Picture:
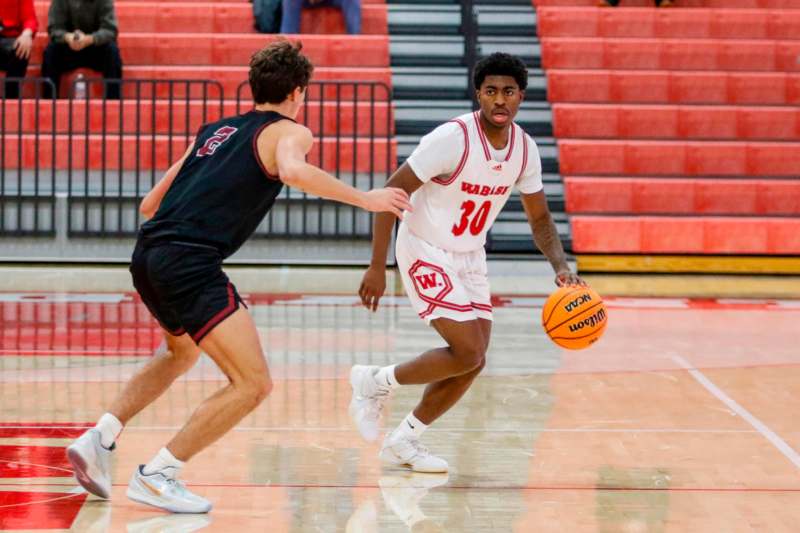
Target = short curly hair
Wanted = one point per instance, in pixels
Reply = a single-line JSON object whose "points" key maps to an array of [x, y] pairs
{"points": [[500, 64], [278, 69]]}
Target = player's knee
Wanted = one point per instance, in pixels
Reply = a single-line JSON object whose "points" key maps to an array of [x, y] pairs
{"points": [[183, 354], [255, 389], [470, 356]]}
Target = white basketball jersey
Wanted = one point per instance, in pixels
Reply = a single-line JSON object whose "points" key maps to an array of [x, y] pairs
{"points": [[465, 185]]}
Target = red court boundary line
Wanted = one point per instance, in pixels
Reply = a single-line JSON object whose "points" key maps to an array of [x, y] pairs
{"points": [[734, 490]]}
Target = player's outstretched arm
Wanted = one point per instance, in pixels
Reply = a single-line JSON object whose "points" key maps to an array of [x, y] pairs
{"points": [[150, 203], [374, 283], [545, 235], [290, 155]]}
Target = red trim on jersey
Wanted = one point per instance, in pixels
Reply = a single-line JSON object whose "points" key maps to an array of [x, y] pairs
{"points": [[428, 311], [485, 142], [258, 157], [511, 142], [482, 136], [219, 317], [464, 309], [462, 163], [524, 156]]}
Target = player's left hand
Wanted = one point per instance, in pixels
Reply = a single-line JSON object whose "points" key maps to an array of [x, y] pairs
{"points": [[372, 287], [565, 278], [390, 199]]}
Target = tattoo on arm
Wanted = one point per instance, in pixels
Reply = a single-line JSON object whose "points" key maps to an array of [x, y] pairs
{"points": [[545, 235]]}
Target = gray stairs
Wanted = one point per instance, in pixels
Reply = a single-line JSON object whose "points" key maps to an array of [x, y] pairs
{"points": [[430, 84]]}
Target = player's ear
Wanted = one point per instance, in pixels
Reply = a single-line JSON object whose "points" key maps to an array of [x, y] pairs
{"points": [[296, 94]]}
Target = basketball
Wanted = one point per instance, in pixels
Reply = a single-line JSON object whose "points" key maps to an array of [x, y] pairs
{"points": [[574, 317]]}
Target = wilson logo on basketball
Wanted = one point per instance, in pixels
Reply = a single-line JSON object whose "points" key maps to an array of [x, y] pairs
{"points": [[213, 142], [577, 302], [426, 281], [590, 321]]}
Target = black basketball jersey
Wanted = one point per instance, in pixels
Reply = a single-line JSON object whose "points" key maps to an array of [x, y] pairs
{"points": [[222, 191]]}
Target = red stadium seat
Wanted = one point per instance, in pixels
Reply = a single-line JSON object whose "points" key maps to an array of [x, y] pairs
{"points": [[765, 88], [778, 197], [236, 49], [226, 17], [669, 158], [230, 77], [693, 235], [346, 154], [669, 54], [675, 23], [737, 4], [342, 117], [715, 196]]}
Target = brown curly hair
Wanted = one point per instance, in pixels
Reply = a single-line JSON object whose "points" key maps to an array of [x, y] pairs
{"points": [[278, 69]]}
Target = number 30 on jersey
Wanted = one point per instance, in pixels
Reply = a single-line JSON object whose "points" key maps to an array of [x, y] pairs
{"points": [[475, 222]]}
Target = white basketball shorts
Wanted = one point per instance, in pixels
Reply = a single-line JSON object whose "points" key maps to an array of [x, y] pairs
{"points": [[442, 284]]}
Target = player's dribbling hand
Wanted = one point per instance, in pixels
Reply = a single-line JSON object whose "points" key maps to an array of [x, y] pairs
{"points": [[372, 287], [566, 278], [389, 199]]}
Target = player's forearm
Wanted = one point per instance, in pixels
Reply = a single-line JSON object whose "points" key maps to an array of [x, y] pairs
{"points": [[381, 236], [315, 181], [545, 235]]}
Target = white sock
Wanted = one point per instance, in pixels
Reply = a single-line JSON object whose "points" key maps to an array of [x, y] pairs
{"points": [[384, 377], [163, 462], [411, 426], [110, 427]]}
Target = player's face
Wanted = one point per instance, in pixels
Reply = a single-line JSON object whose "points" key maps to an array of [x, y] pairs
{"points": [[499, 98]]}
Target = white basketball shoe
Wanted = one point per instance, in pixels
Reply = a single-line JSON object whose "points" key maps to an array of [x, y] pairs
{"points": [[368, 400], [403, 450], [92, 463], [165, 492]]}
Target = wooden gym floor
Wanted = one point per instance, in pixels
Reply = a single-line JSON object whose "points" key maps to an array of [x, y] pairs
{"points": [[682, 418]]}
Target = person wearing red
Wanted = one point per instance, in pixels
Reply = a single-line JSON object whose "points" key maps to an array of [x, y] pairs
{"points": [[18, 25]]}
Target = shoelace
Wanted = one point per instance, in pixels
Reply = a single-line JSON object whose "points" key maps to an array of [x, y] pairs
{"points": [[177, 484], [420, 448], [416, 449]]}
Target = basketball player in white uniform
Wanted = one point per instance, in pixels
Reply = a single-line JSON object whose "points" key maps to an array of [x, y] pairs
{"points": [[461, 176]]}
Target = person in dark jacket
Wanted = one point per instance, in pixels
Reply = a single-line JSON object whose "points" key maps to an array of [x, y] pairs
{"points": [[351, 9], [18, 25], [83, 33]]}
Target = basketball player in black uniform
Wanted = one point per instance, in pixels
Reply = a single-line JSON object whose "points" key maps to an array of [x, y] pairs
{"points": [[203, 209]]}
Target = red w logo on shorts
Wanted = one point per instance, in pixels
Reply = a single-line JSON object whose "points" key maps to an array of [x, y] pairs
{"points": [[427, 281], [213, 142]]}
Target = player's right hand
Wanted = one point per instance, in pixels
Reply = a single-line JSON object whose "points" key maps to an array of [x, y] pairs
{"points": [[390, 199], [372, 287]]}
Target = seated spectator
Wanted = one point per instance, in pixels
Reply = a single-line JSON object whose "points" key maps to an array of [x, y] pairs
{"points": [[267, 15], [18, 25], [351, 9], [615, 3], [83, 34]]}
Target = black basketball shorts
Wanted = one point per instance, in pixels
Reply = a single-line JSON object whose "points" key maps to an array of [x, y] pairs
{"points": [[184, 287]]}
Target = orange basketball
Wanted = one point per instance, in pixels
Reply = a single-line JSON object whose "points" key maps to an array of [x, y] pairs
{"points": [[574, 317]]}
